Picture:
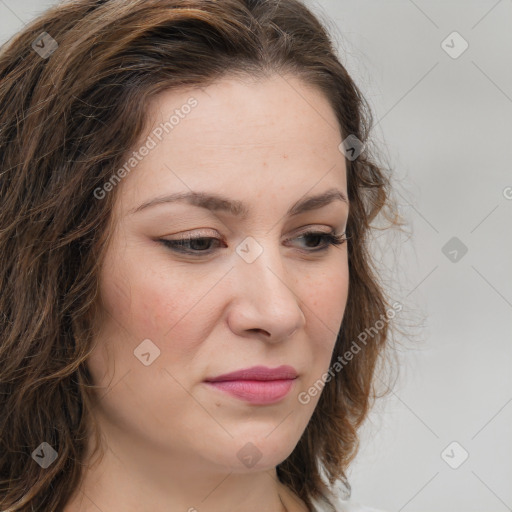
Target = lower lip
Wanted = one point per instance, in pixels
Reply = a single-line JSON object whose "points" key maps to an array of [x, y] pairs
{"points": [[256, 391]]}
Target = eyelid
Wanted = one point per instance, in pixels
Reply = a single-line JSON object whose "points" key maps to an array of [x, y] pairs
{"points": [[185, 235], [308, 229], [195, 234]]}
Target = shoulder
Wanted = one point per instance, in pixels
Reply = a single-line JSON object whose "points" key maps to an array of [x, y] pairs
{"points": [[348, 506], [342, 506]]}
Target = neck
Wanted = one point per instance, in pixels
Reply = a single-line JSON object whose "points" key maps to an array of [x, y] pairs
{"points": [[120, 483]]}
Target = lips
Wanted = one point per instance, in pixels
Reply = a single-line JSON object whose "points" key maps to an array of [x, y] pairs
{"points": [[258, 385], [261, 373]]}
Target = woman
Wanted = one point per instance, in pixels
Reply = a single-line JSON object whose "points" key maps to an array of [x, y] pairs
{"points": [[186, 284]]}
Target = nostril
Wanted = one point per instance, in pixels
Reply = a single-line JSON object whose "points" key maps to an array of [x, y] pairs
{"points": [[259, 331]]}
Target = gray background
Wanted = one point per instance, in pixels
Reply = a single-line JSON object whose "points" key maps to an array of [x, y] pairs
{"points": [[444, 125]]}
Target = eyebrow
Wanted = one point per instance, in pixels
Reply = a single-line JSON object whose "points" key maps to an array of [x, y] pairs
{"points": [[216, 202]]}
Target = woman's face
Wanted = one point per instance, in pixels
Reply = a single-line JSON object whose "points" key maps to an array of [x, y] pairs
{"points": [[254, 293]]}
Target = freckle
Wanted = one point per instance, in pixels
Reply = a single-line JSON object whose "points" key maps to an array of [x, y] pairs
{"points": [[285, 156]]}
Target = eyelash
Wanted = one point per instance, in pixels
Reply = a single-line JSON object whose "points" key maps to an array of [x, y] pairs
{"points": [[331, 239]]}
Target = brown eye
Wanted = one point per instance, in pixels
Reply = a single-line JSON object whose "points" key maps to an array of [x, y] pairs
{"points": [[328, 240], [190, 245]]}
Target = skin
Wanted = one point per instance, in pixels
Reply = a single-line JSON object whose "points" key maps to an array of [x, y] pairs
{"points": [[171, 441]]}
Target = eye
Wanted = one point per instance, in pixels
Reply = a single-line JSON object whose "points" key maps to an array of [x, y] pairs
{"points": [[191, 244], [199, 245], [329, 239]]}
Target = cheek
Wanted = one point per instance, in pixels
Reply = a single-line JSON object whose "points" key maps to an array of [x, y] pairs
{"points": [[325, 295], [166, 305], [142, 304], [325, 298]]}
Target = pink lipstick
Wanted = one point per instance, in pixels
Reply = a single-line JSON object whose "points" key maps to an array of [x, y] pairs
{"points": [[258, 385]]}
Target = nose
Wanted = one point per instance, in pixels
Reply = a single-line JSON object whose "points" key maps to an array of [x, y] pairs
{"points": [[264, 301]]}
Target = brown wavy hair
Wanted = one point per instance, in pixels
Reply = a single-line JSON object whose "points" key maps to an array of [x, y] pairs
{"points": [[66, 120]]}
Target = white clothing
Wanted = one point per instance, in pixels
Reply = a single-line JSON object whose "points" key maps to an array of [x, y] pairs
{"points": [[340, 506]]}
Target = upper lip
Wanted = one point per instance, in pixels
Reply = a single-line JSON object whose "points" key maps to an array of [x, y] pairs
{"points": [[258, 373]]}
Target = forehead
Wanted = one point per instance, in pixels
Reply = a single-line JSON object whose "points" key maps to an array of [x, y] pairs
{"points": [[238, 135], [231, 112]]}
